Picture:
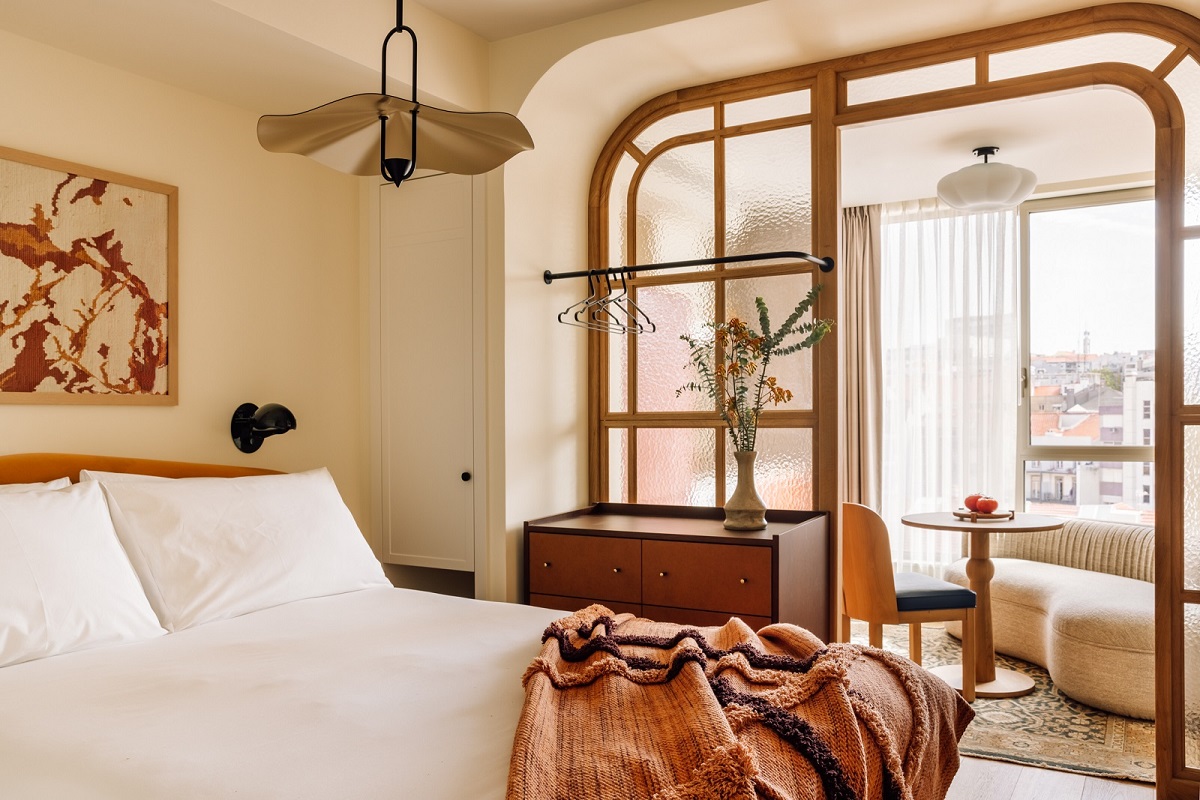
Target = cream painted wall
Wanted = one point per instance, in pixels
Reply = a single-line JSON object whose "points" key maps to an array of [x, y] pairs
{"points": [[268, 271], [570, 111], [453, 61]]}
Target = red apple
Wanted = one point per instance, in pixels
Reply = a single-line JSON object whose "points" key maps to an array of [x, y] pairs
{"points": [[971, 500], [986, 505]]}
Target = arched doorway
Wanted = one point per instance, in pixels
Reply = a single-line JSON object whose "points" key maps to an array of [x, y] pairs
{"points": [[1152, 56]]}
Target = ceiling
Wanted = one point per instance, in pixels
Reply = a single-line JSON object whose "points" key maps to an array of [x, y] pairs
{"points": [[1095, 138], [1066, 140], [257, 54], [501, 19]]}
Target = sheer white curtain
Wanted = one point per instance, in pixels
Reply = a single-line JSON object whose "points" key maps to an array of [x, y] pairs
{"points": [[949, 323]]}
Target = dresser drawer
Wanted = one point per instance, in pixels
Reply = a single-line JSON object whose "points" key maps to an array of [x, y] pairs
{"points": [[603, 567], [701, 619], [711, 577], [573, 604]]}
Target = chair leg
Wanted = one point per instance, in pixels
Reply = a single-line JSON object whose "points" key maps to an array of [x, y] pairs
{"points": [[968, 655], [914, 642], [875, 634]]}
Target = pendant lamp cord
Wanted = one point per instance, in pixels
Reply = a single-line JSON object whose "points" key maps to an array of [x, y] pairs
{"points": [[397, 170], [400, 28]]}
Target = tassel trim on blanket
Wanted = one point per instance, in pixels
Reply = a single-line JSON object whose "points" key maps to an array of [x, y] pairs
{"points": [[755, 693]]}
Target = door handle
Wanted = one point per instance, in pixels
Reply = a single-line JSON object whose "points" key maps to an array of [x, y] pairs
{"points": [[466, 476]]}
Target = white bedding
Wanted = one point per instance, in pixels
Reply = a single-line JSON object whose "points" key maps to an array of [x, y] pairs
{"points": [[371, 694]]}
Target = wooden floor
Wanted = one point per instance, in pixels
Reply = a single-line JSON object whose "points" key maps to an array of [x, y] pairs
{"points": [[981, 779]]}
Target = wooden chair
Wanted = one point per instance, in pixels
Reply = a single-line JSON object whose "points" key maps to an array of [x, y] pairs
{"points": [[873, 593]]}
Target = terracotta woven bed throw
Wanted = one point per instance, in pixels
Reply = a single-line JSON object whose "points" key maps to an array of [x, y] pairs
{"points": [[622, 707]]}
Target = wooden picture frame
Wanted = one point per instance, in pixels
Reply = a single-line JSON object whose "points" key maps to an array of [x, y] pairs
{"points": [[87, 285]]}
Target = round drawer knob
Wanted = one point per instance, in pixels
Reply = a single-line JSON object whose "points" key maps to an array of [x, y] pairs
{"points": [[616, 569], [545, 563], [743, 580], [662, 574]]}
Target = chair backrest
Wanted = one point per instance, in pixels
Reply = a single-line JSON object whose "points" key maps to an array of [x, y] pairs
{"points": [[868, 586]]}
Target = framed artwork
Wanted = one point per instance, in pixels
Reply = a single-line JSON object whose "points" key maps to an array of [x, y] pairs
{"points": [[87, 284]]}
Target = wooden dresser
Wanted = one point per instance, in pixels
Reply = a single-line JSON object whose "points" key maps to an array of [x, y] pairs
{"points": [[679, 564]]}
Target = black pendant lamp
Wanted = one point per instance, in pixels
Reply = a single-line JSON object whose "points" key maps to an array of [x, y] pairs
{"points": [[353, 134]]}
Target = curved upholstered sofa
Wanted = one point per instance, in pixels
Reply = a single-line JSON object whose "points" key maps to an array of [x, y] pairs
{"points": [[1080, 602]]}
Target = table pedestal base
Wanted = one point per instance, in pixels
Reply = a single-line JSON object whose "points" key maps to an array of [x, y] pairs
{"points": [[1008, 683]]}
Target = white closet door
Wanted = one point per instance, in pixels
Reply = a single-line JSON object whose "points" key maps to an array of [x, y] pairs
{"points": [[426, 334]]}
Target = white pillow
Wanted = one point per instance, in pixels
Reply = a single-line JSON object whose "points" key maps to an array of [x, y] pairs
{"points": [[116, 477], [13, 488], [211, 548], [65, 582]]}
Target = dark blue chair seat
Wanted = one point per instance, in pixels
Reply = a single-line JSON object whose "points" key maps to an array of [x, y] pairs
{"points": [[918, 592]]}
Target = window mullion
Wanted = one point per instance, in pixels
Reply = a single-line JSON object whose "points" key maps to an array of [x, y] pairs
{"points": [[719, 287]]}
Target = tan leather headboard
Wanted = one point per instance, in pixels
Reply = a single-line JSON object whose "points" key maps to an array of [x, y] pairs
{"points": [[37, 467]]}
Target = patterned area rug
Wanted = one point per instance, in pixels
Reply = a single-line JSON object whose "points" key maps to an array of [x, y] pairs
{"points": [[1043, 729]]}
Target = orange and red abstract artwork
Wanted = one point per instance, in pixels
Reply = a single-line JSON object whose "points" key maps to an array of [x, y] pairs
{"points": [[86, 282]]}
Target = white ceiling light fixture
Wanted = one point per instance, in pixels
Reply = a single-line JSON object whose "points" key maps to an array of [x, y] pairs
{"points": [[990, 186], [352, 134]]}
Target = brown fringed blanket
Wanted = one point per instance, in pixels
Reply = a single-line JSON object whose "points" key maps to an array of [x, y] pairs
{"points": [[621, 707]]}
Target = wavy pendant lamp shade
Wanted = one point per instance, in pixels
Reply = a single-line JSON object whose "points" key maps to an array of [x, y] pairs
{"points": [[369, 134], [990, 186]]}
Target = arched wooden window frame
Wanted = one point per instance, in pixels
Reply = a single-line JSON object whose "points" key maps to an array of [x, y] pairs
{"points": [[789, 417], [830, 111]]}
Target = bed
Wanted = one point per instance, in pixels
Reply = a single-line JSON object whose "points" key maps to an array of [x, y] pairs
{"points": [[192, 631]]}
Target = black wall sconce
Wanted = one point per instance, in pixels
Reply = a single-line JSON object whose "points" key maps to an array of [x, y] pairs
{"points": [[251, 424]]}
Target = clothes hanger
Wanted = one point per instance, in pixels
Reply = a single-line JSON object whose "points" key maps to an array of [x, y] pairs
{"points": [[590, 312], [572, 311], [630, 309], [600, 312]]}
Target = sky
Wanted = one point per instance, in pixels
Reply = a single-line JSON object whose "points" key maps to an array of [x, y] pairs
{"points": [[1092, 269]]}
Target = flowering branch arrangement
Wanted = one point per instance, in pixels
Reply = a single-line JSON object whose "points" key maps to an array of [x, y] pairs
{"points": [[732, 364]]}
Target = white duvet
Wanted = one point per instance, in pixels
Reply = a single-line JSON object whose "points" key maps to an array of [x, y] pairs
{"points": [[371, 694]]}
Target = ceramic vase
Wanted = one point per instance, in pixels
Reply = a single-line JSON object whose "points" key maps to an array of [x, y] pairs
{"points": [[745, 510]]}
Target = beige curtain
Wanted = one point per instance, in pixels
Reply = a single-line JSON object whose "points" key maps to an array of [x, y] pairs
{"points": [[862, 369]]}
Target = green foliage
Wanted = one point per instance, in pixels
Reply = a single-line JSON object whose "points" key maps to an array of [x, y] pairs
{"points": [[732, 362], [1111, 378]]}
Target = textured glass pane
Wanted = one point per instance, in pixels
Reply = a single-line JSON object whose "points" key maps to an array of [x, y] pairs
{"points": [[663, 363], [768, 196], [618, 372], [1191, 322], [776, 106], [1091, 360], [676, 466], [1191, 680], [618, 463], [618, 208], [1185, 80], [911, 81], [675, 206], [1191, 507], [700, 119], [1119, 491], [781, 293], [783, 468], [1131, 48]]}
